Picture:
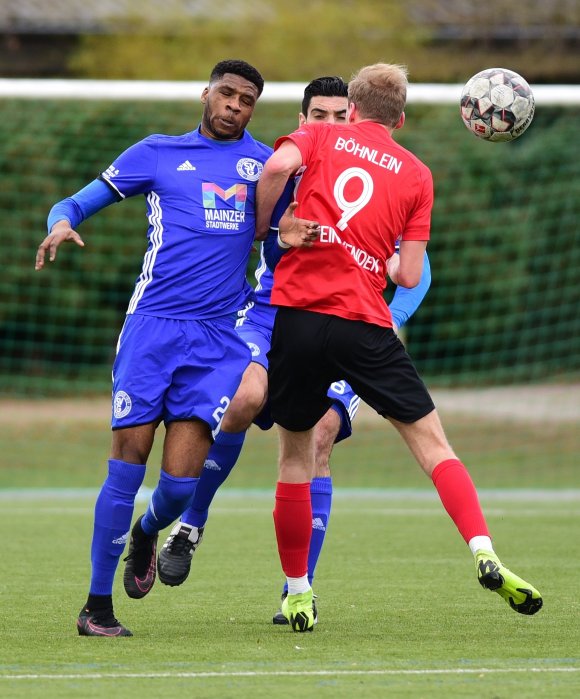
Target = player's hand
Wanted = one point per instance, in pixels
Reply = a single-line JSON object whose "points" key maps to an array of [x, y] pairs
{"points": [[60, 233], [297, 232]]}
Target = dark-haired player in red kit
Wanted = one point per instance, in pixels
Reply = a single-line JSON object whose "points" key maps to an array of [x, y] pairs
{"points": [[362, 191]]}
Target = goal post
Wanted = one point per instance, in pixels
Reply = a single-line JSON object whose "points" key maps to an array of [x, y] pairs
{"points": [[288, 92]]}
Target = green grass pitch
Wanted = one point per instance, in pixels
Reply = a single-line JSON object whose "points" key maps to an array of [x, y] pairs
{"points": [[401, 612]]}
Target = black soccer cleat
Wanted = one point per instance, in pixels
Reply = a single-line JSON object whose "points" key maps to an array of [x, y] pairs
{"points": [[101, 623], [141, 562], [174, 561]]}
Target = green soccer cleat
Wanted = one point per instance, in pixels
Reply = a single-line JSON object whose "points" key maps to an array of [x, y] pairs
{"points": [[299, 610], [280, 619], [519, 594]]}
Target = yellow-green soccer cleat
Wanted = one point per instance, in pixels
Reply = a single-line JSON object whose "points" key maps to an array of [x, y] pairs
{"points": [[279, 619], [519, 594], [299, 611]]}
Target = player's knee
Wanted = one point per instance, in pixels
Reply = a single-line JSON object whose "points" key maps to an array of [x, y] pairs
{"points": [[246, 404], [133, 444]]}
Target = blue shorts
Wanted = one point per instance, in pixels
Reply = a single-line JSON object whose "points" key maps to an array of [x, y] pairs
{"points": [[344, 399], [257, 337], [170, 370]]}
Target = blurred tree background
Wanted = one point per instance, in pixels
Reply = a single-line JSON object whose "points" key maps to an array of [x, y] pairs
{"points": [[440, 40], [505, 250]]}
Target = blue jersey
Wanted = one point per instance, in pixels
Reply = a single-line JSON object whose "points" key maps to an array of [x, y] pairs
{"points": [[259, 309], [200, 197]]}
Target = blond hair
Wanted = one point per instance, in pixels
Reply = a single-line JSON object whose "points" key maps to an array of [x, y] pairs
{"points": [[380, 92]]}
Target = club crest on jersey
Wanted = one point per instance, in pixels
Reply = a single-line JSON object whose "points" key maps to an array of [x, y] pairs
{"points": [[249, 169]]}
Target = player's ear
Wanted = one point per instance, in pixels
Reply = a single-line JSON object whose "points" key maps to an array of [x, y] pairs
{"points": [[204, 95], [401, 121], [301, 119], [351, 112]]}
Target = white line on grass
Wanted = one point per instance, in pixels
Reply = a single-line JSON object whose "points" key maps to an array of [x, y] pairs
{"points": [[283, 673], [390, 494], [343, 511]]}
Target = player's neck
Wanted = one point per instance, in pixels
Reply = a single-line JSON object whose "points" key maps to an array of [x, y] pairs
{"points": [[216, 137]]}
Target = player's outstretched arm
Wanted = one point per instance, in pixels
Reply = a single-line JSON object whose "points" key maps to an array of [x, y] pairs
{"points": [[67, 214]]}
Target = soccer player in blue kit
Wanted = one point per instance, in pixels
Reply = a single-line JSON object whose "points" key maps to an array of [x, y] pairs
{"points": [[179, 357], [325, 99]]}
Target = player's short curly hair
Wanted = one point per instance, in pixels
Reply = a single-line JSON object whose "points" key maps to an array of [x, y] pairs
{"points": [[326, 86], [238, 67]]}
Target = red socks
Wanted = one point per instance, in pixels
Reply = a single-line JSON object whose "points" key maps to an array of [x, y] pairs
{"points": [[293, 513], [459, 498], [293, 524]]}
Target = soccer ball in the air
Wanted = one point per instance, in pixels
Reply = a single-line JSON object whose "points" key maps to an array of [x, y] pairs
{"points": [[497, 105]]}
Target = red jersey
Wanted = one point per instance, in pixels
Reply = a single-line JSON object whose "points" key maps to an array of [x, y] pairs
{"points": [[366, 191]]}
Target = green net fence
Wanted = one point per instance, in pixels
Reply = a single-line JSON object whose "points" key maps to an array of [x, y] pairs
{"points": [[505, 251]]}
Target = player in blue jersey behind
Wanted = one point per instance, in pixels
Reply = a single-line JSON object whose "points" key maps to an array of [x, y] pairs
{"points": [[325, 99], [179, 358]]}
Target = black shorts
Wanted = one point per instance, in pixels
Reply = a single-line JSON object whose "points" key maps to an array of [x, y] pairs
{"points": [[311, 350]]}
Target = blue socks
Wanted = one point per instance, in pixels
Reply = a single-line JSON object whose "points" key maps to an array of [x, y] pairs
{"points": [[321, 497], [170, 498], [221, 459], [113, 514]]}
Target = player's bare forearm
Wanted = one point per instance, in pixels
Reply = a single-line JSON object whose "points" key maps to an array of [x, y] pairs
{"points": [[60, 233], [270, 187]]}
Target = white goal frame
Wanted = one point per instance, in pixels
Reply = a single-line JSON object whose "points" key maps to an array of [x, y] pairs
{"points": [[163, 90]]}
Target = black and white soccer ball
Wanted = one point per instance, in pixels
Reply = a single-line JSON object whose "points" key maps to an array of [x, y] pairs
{"points": [[497, 105]]}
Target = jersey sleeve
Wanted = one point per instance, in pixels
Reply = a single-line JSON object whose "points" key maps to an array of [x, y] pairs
{"points": [[305, 139], [419, 224], [133, 172], [86, 202]]}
